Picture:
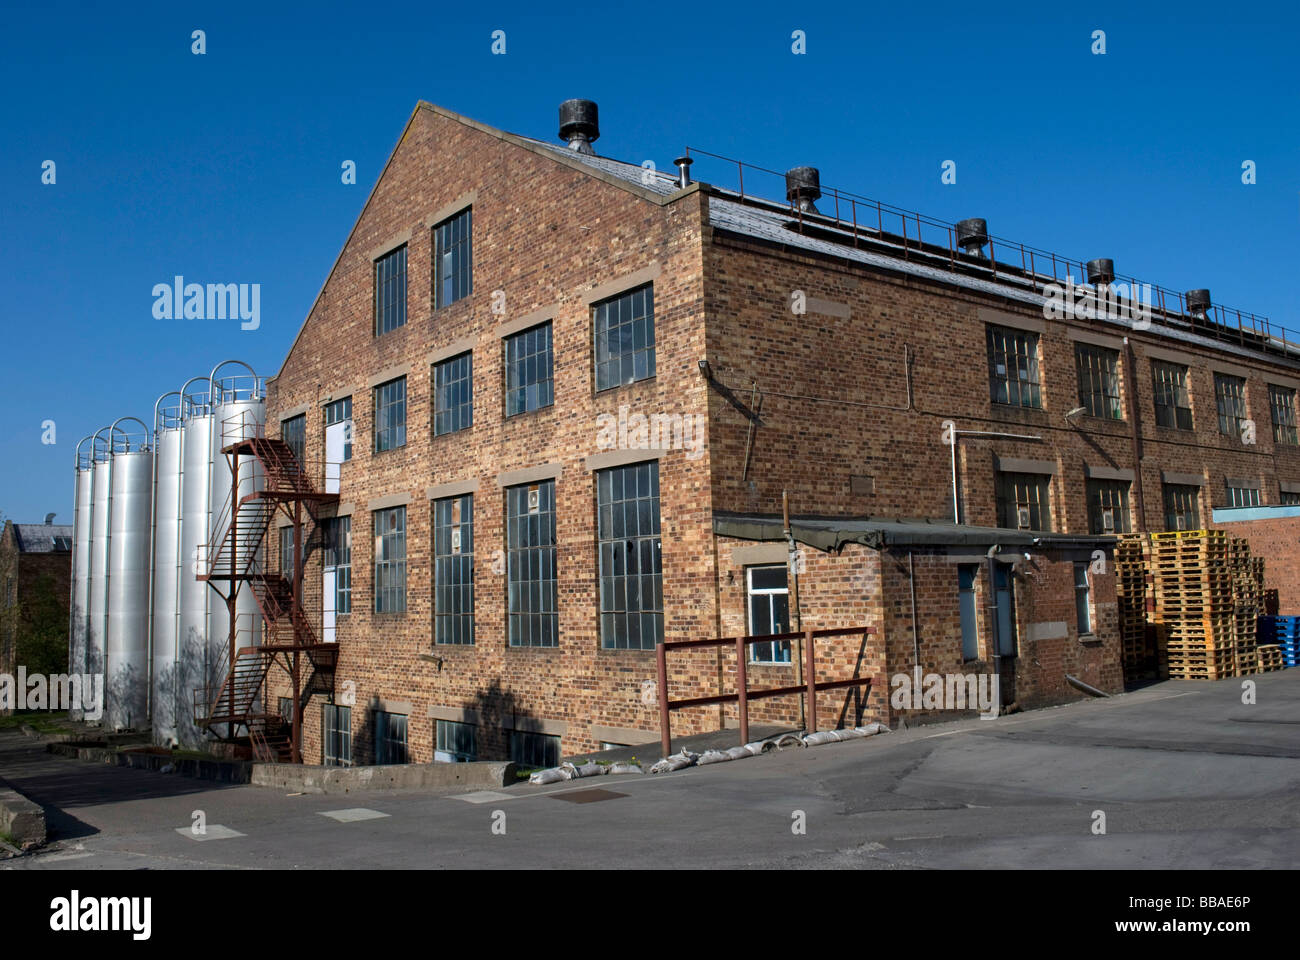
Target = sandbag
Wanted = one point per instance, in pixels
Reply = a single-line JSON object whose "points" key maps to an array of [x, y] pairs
{"points": [[592, 769], [713, 756], [740, 753], [625, 766]]}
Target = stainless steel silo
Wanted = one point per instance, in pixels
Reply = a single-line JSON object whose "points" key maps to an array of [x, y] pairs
{"points": [[194, 666], [101, 468], [167, 700], [126, 684], [78, 612], [238, 413]]}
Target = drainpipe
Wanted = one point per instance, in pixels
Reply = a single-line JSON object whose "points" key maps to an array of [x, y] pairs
{"points": [[792, 573], [994, 639], [916, 636], [1129, 364]]}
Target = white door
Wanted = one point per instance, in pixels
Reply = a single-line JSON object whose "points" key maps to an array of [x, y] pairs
{"points": [[335, 435], [328, 594]]}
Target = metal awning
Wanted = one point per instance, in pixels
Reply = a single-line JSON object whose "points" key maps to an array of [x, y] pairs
{"points": [[830, 534]]}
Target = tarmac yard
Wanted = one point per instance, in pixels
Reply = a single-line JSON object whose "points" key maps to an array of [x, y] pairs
{"points": [[1178, 775]]}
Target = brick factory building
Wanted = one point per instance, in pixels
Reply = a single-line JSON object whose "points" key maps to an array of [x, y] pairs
{"points": [[35, 581], [568, 394]]}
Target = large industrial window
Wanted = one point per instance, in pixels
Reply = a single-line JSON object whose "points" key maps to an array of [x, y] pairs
{"points": [[1290, 498], [390, 415], [294, 433], [625, 338], [340, 412], [390, 738], [286, 551], [453, 570], [1281, 401], [532, 611], [1013, 367], [1024, 501], [1098, 370], [1243, 496], [390, 560], [453, 394], [534, 749], [455, 742], [1230, 395], [529, 384], [1108, 506], [452, 268], [390, 291], [769, 612], [336, 735], [631, 566], [286, 709], [1182, 510], [338, 554], [966, 577], [1082, 599], [1173, 404]]}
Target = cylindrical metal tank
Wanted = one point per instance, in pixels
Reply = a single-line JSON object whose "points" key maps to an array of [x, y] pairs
{"points": [[77, 607], [167, 701], [193, 665], [101, 468], [238, 413], [126, 684]]}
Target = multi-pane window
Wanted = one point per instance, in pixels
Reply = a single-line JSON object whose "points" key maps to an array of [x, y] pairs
{"points": [[390, 415], [1182, 507], [453, 570], [1242, 496], [631, 567], [1108, 506], [769, 612], [1290, 498], [1098, 370], [336, 735], [455, 742], [532, 610], [1082, 599], [286, 709], [390, 560], [1173, 404], [390, 738], [452, 256], [1230, 396], [1281, 402], [1013, 367], [534, 749], [625, 338], [340, 412], [453, 394], [337, 554], [1024, 501], [529, 384], [1004, 597], [294, 433], [966, 576], [390, 291], [286, 551]]}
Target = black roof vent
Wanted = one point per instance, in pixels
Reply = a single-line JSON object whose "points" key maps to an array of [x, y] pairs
{"points": [[579, 125], [803, 185], [1101, 271], [972, 235], [1198, 303]]}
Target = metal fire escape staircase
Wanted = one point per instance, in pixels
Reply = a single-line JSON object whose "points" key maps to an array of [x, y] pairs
{"points": [[288, 639]]}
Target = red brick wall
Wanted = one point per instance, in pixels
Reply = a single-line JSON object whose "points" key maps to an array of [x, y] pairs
{"points": [[1277, 540]]}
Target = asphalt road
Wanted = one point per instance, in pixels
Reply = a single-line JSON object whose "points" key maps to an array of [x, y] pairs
{"points": [[1186, 775]]}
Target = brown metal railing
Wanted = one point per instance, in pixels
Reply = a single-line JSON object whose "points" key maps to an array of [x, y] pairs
{"points": [[863, 219], [743, 694]]}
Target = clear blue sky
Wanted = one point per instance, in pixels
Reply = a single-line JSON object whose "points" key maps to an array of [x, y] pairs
{"points": [[226, 167]]}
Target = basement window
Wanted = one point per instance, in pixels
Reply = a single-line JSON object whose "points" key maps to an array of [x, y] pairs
{"points": [[534, 749], [336, 735], [455, 742]]}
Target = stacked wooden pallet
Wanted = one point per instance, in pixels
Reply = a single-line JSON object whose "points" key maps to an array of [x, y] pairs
{"points": [[1269, 658], [1130, 593], [1247, 601], [1192, 603]]}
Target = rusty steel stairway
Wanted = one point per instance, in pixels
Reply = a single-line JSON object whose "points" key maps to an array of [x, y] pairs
{"points": [[238, 708]]}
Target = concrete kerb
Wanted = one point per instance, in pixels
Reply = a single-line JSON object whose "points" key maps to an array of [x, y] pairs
{"points": [[223, 771], [429, 776], [21, 819]]}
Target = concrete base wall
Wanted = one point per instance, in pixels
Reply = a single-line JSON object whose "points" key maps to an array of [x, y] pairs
{"points": [[21, 819], [315, 779]]}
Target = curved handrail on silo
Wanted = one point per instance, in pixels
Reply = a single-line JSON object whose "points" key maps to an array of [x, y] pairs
{"points": [[214, 389], [79, 453], [126, 437], [187, 400]]}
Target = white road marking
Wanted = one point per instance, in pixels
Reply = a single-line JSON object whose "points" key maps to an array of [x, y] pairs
{"points": [[352, 814], [59, 858], [214, 831], [484, 796]]}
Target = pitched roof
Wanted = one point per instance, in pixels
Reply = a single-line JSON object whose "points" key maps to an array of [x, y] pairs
{"points": [[43, 537]]}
